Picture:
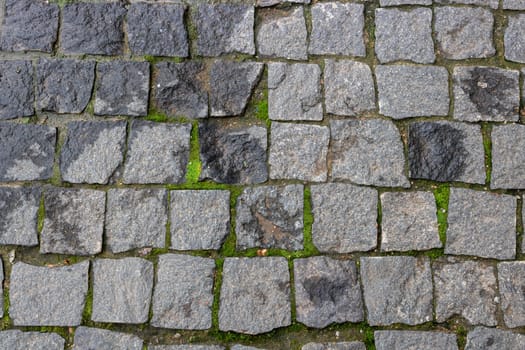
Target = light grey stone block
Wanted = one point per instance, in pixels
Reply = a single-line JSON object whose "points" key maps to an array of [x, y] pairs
{"points": [[19, 215], [483, 338], [14, 339], [87, 338], [511, 282], [508, 141], [403, 340]]}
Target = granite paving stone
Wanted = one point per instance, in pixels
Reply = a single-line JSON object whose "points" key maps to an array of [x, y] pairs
{"points": [[511, 282], [243, 347], [514, 49], [87, 338], [493, 4], [385, 3], [403, 340], [16, 89], [354, 345], [265, 3], [186, 347], [16, 339], [18, 216], [47, 296], [507, 156], [484, 338], [514, 4]]}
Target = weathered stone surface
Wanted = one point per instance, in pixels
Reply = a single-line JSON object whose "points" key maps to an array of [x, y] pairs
{"points": [[265, 3], [355, 345], [397, 289], [157, 30], [483, 338], [384, 3], [233, 154], [64, 86], [464, 32], [18, 216], [337, 29], [412, 91], [136, 218], [15, 339], [47, 296], [157, 153], [409, 221], [514, 4], [298, 151], [511, 282], [224, 28], [231, 85], [102, 339], [514, 50], [29, 25], [446, 151], [488, 3], [255, 295], [200, 220], [242, 347], [92, 151], [270, 217], [283, 34], [403, 340], [186, 347], [486, 93], [465, 288], [1, 288], [404, 35], [122, 290], [508, 142], [183, 295], [345, 218], [73, 222], [16, 89], [481, 224]]}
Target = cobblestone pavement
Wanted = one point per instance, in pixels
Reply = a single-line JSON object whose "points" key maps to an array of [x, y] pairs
{"points": [[263, 174]]}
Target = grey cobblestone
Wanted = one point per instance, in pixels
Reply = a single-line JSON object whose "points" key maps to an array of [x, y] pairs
{"points": [[16, 339], [186, 347], [16, 89], [355, 345], [483, 338], [507, 156], [401, 340], [513, 4], [515, 30], [489, 3], [18, 216], [87, 338], [511, 280], [404, 2]]}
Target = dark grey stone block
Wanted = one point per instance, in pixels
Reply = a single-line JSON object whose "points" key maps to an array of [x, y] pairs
{"points": [[18, 215], [508, 142], [403, 340], [511, 282], [102, 339], [15, 340], [16, 89], [483, 338]]}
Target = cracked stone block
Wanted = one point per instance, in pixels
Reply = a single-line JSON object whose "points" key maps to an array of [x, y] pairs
{"points": [[283, 34], [224, 28], [183, 295], [402, 340], [409, 221], [122, 290], [481, 224], [122, 88], [345, 218], [157, 30], [270, 217], [200, 220], [483, 338], [233, 154], [513, 4], [466, 288], [464, 32], [487, 3], [16, 339], [73, 222], [92, 28], [255, 295], [186, 347], [298, 151], [412, 91], [18, 216], [354, 345], [157, 153], [27, 152], [179, 89], [29, 25], [327, 291], [446, 151], [337, 29], [514, 50], [404, 35], [92, 151], [508, 142], [87, 338], [16, 89], [486, 94], [63, 85], [136, 218], [511, 282], [385, 3], [48, 296], [231, 85], [397, 289]]}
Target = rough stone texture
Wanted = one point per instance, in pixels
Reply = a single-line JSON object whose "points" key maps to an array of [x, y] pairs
{"points": [[409, 221], [242, 347], [255, 295], [446, 151], [122, 88], [122, 290], [404, 35], [355, 345], [224, 28], [1, 288], [73, 222], [348, 88], [157, 30], [397, 289], [102, 339], [514, 49], [186, 347], [514, 4], [136, 218], [486, 93], [337, 29], [200, 220], [406, 340], [231, 85], [47, 296], [481, 224], [265, 3], [487, 3], [233, 154], [18, 216], [327, 291], [511, 282], [183, 295], [464, 32], [283, 35], [29, 25], [345, 218], [92, 151], [63, 85], [270, 217], [16, 89], [483, 338], [298, 151], [466, 288], [157, 153], [384, 3], [18, 340], [508, 142]]}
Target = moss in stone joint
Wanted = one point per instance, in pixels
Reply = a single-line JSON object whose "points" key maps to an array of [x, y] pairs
{"points": [[487, 146], [441, 194], [261, 109], [41, 215], [155, 115], [194, 164], [5, 322], [309, 247]]}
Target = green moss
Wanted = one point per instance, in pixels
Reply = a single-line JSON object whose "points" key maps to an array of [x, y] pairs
{"points": [[5, 322], [487, 146], [194, 164], [41, 215], [309, 247], [219, 263], [461, 333], [441, 194], [261, 108], [434, 253], [88, 308], [368, 337], [160, 117]]}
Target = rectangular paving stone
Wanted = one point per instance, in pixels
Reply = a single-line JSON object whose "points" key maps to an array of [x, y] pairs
{"points": [[508, 156], [355, 345], [47, 296], [515, 30], [402, 340], [16, 89], [186, 347], [16, 339], [483, 338], [265, 3], [18, 216], [87, 338], [384, 3], [493, 4], [514, 4], [511, 283], [242, 347]]}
